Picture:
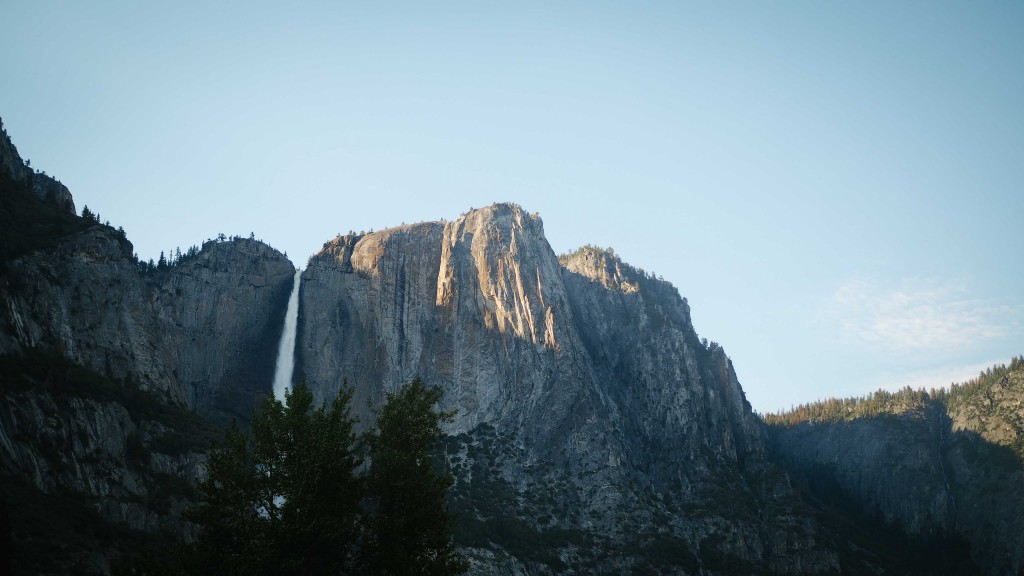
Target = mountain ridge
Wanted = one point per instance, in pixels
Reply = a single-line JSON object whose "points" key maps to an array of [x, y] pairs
{"points": [[539, 351], [108, 372], [594, 430], [959, 452]]}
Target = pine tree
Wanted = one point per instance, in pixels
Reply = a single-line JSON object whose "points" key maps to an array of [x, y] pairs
{"points": [[409, 531], [282, 499], [285, 498]]}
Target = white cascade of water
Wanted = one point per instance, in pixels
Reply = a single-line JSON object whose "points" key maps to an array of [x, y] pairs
{"points": [[286, 349]]}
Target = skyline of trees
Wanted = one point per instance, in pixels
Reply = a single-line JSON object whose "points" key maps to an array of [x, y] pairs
{"points": [[886, 402]]}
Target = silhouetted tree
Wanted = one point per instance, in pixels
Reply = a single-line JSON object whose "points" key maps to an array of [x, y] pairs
{"points": [[409, 530], [282, 499]]}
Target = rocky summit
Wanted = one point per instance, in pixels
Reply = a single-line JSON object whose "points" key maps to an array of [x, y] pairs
{"points": [[593, 427], [594, 431]]}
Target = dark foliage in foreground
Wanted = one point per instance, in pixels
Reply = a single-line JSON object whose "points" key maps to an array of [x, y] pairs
{"points": [[287, 496]]}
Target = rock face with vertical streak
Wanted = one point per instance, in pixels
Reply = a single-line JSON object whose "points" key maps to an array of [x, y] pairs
{"points": [[196, 331], [192, 332], [585, 403], [103, 369], [594, 431]]}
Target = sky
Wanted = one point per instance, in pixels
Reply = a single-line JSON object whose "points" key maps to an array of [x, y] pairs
{"points": [[836, 188]]}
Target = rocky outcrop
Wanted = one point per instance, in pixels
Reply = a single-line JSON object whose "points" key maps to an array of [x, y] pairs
{"points": [[104, 366], [992, 406], [41, 185], [200, 330], [672, 390], [895, 462], [933, 466], [684, 416], [470, 303], [78, 447], [585, 403], [221, 315], [986, 482]]}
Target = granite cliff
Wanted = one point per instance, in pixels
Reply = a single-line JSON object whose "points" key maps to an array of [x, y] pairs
{"points": [[106, 367], [593, 428], [595, 432], [188, 332], [944, 466]]}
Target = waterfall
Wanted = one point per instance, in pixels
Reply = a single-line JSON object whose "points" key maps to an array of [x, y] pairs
{"points": [[286, 349]]}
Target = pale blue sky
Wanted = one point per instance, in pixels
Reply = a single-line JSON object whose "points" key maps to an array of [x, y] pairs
{"points": [[837, 188]]}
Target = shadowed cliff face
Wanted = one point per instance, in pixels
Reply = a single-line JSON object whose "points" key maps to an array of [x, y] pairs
{"points": [[948, 465], [101, 457], [192, 332], [671, 390], [202, 332], [586, 405], [894, 462], [101, 368], [90, 469]]}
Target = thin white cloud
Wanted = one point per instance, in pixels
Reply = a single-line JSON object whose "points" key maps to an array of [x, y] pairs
{"points": [[924, 315]]}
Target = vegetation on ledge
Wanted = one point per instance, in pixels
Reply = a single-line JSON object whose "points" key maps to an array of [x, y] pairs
{"points": [[989, 404]]}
